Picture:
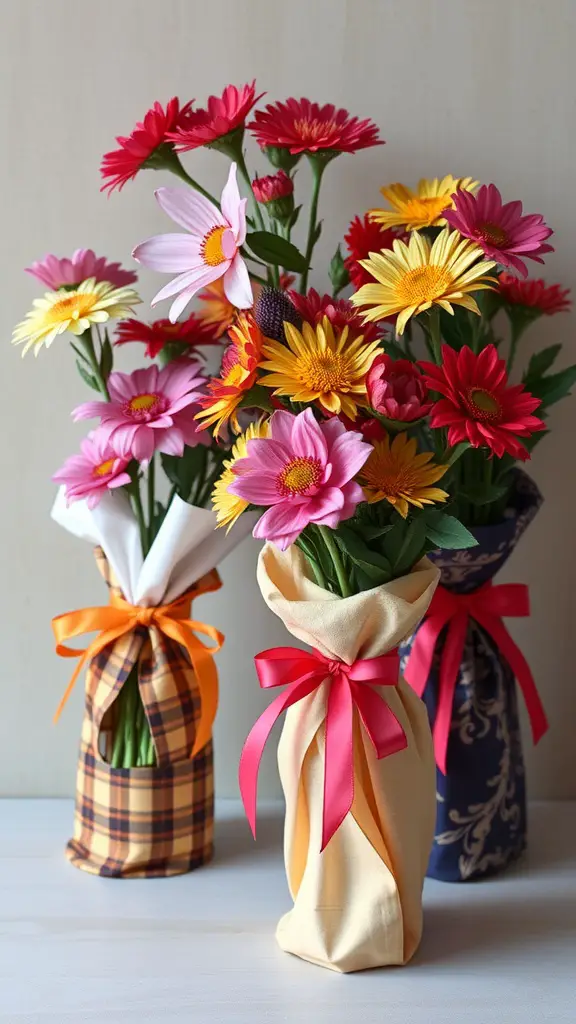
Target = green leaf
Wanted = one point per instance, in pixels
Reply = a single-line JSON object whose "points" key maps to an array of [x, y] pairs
{"points": [[478, 493], [276, 250], [106, 358], [447, 532], [317, 232], [453, 454], [412, 547], [542, 361], [552, 388], [87, 377], [349, 541], [339, 276], [294, 216], [81, 355], [257, 397]]}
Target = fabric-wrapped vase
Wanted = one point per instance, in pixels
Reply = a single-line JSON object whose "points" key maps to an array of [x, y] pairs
{"points": [[357, 901], [481, 798]]}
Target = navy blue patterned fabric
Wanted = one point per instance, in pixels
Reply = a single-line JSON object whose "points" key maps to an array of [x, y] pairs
{"points": [[481, 801]]}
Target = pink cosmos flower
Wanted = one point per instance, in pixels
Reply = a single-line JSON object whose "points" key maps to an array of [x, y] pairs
{"points": [[500, 229], [55, 272], [303, 471], [208, 252], [396, 389], [97, 470], [150, 410]]}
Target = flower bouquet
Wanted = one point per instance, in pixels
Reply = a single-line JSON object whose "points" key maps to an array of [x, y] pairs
{"points": [[145, 784], [457, 240], [348, 510]]}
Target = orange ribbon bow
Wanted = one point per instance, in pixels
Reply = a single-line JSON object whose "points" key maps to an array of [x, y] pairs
{"points": [[119, 618]]}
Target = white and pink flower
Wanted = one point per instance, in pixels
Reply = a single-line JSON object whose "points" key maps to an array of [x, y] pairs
{"points": [[303, 471], [211, 249], [150, 410], [96, 470]]}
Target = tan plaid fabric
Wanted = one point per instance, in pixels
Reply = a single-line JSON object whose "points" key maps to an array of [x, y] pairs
{"points": [[144, 822]]}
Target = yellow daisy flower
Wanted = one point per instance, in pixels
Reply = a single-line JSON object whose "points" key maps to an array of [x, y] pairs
{"points": [[319, 365], [413, 277], [422, 208], [91, 302], [229, 507], [398, 474], [216, 310]]}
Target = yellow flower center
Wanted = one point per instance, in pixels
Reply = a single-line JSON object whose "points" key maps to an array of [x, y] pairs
{"points": [[493, 234], [391, 479], [142, 403], [423, 285], [72, 307], [212, 251], [325, 372], [299, 475], [483, 404], [424, 210], [104, 468], [313, 130]]}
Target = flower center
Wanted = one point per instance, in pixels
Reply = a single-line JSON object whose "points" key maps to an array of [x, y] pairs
{"points": [[145, 407], [493, 234], [393, 481], [426, 209], [104, 468], [73, 307], [483, 404], [215, 246], [299, 475], [324, 372], [314, 130], [423, 284]]}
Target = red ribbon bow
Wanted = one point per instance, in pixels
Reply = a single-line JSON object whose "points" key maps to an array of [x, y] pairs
{"points": [[486, 605], [350, 687]]}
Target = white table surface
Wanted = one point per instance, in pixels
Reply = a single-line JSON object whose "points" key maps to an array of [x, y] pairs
{"points": [[200, 948]]}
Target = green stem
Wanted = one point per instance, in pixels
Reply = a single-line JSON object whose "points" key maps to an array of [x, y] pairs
{"points": [[172, 163], [517, 330], [246, 176], [151, 497], [87, 342], [317, 172], [328, 538], [435, 336]]}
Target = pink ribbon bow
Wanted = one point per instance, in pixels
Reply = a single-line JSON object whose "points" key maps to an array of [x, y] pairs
{"points": [[486, 605], [350, 687]]}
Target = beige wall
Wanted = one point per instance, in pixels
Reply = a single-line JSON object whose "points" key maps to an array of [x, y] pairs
{"points": [[486, 89]]}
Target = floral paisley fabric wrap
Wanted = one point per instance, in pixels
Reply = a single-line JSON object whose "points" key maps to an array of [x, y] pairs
{"points": [[357, 904], [481, 801]]}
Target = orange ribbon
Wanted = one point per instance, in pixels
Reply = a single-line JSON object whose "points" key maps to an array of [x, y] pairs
{"points": [[119, 618]]}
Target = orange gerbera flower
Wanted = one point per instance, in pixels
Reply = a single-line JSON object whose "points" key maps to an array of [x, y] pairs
{"points": [[216, 310], [237, 376]]}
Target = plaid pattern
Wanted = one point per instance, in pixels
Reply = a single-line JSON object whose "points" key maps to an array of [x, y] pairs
{"points": [[144, 822]]}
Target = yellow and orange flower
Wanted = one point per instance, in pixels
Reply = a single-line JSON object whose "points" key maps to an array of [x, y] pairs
{"points": [[422, 208], [229, 507], [216, 310], [320, 364], [395, 472], [237, 376]]}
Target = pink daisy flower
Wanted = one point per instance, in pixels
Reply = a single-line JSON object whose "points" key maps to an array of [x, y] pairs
{"points": [[303, 471], [55, 272], [150, 410], [211, 249], [96, 470], [224, 114], [500, 229]]}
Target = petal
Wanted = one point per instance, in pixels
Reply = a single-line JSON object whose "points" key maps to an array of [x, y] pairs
{"points": [[169, 253], [190, 209], [347, 455], [308, 439], [237, 286], [234, 208]]}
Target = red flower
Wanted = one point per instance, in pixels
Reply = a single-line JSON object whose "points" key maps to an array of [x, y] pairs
{"points": [[272, 186], [304, 127], [223, 115], [192, 332], [396, 389], [313, 307], [534, 295], [478, 405], [371, 429], [136, 149], [365, 236]]}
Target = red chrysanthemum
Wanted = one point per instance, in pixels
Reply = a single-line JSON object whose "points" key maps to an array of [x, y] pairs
{"points": [[136, 149], [478, 404], [365, 236], [223, 114], [192, 332], [304, 127], [534, 295], [313, 307]]}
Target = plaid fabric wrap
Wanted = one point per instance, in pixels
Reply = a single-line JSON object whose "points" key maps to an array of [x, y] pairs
{"points": [[144, 822]]}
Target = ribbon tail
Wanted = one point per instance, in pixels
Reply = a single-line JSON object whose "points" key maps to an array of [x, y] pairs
{"points": [[383, 728], [521, 669], [202, 661], [97, 645], [449, 666], [419, 663], [339, 758], [254, 746]]}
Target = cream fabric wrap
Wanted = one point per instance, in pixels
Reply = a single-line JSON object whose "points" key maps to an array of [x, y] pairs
{"points": [[359, 903]]}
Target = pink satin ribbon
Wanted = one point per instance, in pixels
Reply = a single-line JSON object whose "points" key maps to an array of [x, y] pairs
{"points": [[349, 688], [487, 606]]}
